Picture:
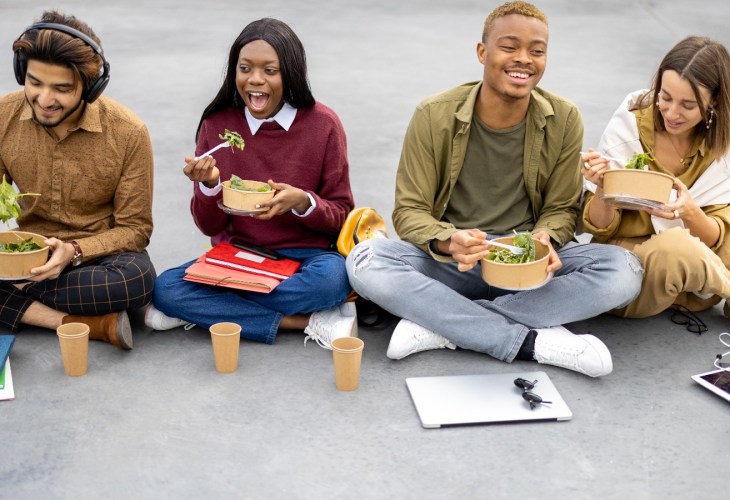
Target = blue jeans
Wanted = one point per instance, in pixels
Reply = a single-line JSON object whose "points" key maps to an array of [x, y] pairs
{"points": [[462, 307], [319, 284]]}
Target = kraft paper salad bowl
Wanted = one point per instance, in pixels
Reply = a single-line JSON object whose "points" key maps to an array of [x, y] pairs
{"points": [[246, 200], [517, 276], [17, 265], [637, 184]]}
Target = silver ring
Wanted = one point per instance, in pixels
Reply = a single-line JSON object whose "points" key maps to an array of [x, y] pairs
{"points": [[586, 165], [676, 214]]}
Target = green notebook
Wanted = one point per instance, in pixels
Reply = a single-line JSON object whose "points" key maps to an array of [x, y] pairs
{"points": [[2, 377], [6, 382]]}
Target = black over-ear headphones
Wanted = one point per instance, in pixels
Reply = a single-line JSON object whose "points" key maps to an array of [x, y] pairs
{"points": [[93, 88]]}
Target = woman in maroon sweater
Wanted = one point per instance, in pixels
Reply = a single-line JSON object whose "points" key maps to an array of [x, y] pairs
{"points": [[298, 146]]}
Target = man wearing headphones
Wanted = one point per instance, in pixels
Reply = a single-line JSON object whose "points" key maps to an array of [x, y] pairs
{"points": [[90, 159]]}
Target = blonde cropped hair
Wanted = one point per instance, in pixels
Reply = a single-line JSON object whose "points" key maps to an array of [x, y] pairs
{"points": [[506, 9]]}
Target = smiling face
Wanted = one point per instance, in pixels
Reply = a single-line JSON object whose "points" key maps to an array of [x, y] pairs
{"points": [[54, 95], [514, 56], [678, 104], [258, 79]]}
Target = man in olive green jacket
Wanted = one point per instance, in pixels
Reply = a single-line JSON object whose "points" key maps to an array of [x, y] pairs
{"points": [[553, 135], [481, 161]]}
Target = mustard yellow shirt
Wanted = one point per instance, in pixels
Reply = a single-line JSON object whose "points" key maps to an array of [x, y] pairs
{"points": [[635, 223], [95, 184]]}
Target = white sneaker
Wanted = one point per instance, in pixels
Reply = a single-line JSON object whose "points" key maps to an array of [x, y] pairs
{"points": [[409, 338], [157, 320], [325, 326], [586, 354]]}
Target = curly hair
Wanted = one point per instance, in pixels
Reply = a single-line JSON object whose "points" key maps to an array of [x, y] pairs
{"points": [[506, 9]]}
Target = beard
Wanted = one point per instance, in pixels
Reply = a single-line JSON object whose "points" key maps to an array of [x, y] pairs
{"points": [[53, 122]]}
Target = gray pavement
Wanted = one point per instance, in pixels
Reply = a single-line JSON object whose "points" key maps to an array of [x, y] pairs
{"points": [[159, 422]]}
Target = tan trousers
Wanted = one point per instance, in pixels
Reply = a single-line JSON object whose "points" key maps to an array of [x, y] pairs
{"points": [[676, 264]]}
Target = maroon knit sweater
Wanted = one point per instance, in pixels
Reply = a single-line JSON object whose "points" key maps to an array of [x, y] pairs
{"points": [[311, 155]]}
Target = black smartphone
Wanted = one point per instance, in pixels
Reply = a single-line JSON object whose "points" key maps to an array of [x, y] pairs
{"points": [[264, 252]]}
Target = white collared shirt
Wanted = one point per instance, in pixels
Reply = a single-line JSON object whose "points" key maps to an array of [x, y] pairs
{"points": [[284, 117]]}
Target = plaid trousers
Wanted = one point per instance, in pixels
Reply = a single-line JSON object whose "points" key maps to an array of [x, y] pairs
{"points": [[113, 283]]}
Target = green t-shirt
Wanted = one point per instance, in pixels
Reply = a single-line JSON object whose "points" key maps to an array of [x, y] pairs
{"points": [[490, 192]]}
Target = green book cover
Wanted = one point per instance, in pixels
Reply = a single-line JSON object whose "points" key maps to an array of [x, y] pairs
{"points": [[6, 382]]}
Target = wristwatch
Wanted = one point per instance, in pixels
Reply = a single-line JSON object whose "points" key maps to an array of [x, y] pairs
{"points": [[78, 254]]}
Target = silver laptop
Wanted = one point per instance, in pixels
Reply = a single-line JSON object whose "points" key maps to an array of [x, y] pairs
{"points": [[484, 399]]}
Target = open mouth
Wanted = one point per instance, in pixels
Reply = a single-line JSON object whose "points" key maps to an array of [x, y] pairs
{"points": [[258, 100]]}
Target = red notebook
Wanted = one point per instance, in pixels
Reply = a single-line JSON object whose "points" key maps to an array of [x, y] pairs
{"points": [[226, 255], [201, 272]]}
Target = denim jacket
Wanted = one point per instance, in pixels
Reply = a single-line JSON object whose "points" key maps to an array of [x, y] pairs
{"points": [[433, 154]]}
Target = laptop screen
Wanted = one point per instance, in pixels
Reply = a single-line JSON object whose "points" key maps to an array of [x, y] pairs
{"points": [[717, 381]]}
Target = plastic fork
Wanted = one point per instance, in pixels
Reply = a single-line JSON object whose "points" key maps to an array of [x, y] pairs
{"points": [[609, 158], [210, 152], [221, 145], [515, 250]]}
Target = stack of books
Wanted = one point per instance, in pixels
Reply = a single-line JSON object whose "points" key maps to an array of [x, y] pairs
{"points": [[228, 266]]}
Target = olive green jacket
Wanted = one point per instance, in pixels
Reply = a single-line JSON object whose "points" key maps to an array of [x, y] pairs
{"points": [[433, 154]]}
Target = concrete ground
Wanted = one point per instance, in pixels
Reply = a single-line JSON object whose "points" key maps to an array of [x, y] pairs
{"points": [[159, 422]]}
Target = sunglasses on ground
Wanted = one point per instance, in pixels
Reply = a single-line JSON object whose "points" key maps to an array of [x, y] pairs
{"points": [[683, 316], [527, 393]]}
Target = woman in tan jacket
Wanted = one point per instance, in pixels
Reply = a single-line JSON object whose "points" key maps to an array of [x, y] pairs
{"points": [[683, 123]]}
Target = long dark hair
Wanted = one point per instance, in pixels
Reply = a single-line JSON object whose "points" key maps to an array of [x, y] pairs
{"points": [[292, 59], [703, 63]]}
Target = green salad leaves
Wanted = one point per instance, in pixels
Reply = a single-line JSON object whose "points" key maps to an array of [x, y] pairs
{"points": [[234, 139], [240, 185], [504, 256], [24, 246], [9, 206], [10, 209], [640, 161]]}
